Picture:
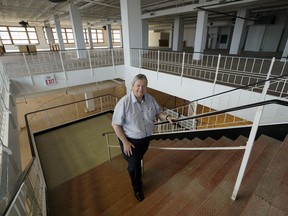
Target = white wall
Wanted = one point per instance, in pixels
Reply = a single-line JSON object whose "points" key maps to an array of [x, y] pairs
{"points": [[254, 37], [272, 33], [154, 38], [225, 32], [213, 36], [189, 36], [35, 84]]}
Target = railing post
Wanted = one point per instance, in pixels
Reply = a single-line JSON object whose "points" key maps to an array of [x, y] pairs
{"points": [[62, 63], [113, 62], [252, 136], [182, 70], [90, 63], [142, 165], [139, 59], [101, 104], [158, 64], [216, 73], [28, 69], [108, 148]]}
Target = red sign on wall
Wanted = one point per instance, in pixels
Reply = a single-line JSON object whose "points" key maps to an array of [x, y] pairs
{"points": [[50, 80]]}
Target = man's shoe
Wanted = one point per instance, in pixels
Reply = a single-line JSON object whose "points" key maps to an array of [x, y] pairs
{"points": [[139, 196]]}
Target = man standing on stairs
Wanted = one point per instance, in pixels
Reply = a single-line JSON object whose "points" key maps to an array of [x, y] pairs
{"points": [[133, 122]]}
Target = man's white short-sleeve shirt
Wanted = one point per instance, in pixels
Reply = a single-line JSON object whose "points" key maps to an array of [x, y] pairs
{"points": [[136, 118]]}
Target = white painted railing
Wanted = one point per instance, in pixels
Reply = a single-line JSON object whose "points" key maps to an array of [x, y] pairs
{"points": [[51, 117], [228, 70], [31, 195], [18, 65]]}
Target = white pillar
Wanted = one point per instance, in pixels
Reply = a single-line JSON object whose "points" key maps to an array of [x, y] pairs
{"points": [[90, 106], [178, 34], [109, 36], [201, 32], [77, 30], [49, 33], [58, 32], [171, 37], [238, 32], [131, 26], [145, 34], [121, 36], [90, 38]]}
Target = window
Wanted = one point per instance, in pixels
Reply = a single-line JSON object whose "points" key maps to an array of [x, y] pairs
{"points": [[97, 35], [67, 34], [116, 36], [68, 37], [18, 35], [4, 35]]}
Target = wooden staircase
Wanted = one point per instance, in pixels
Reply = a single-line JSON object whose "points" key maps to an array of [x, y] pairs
{"points": [[183, 182]]}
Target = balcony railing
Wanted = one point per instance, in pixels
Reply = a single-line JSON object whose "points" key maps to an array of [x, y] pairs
{"points": [[18, 65], [227, 70]]}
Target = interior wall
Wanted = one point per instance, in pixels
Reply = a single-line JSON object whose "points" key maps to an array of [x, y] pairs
{"points": [[154, 38], [24, 86], [189, 36], [272, 33], [254, 37]]}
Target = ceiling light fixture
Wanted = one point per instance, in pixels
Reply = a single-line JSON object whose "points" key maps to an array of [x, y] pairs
{"points": [[23, 23]]}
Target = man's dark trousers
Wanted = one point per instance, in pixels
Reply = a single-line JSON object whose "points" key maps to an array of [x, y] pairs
{"points": [[134, 161]]}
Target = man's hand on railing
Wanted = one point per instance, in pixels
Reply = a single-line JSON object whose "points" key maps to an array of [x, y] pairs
{"points": [[171, 119]]}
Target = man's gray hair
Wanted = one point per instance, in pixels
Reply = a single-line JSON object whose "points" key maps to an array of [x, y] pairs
{"points": [[139, 77]]}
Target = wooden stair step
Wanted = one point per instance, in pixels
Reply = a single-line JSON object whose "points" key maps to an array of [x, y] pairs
{"points": [[193, 194], [167, 190], [270, 186], [157, 172], [219, 202], [166, 166]]}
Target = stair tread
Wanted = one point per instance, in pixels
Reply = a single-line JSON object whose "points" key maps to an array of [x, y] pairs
{"points": [[269, 192], [219, 201], [185, 201], [177, 182], [161, 196]]}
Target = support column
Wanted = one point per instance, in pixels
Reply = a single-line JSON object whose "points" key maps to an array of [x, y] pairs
{"points": [[49, 33], [201, 33], [90, 38], [178, 32], [77, 27], [109, 36], [238, 33], [58, 32], [90, 106], [145, 30], [131, 27]]}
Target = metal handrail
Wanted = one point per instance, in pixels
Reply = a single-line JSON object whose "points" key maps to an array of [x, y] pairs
{"points": [[247, 106], [236, 89]]}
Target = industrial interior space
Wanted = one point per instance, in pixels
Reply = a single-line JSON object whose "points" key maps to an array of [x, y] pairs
{"points": [[217, 66]]}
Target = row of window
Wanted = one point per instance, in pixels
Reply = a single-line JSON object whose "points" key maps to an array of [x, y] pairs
{"points": [[27, 35]]}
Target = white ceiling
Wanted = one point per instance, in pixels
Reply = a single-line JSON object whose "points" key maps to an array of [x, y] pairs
{"points": [[99, 12]]}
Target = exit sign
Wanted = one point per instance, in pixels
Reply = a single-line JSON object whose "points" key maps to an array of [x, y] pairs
{"points": [[50, 80]]}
